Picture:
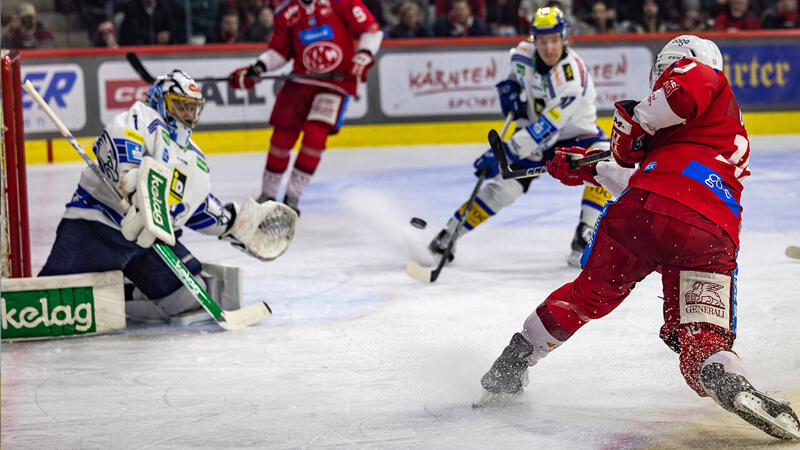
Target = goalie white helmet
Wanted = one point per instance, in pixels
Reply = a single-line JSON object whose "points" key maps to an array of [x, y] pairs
{"points": [[178, 99], [686, 46]]}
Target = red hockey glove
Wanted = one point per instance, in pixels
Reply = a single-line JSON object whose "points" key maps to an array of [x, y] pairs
{"points": [[559, 167], [627, 136], [246, 77], [362, 61]]}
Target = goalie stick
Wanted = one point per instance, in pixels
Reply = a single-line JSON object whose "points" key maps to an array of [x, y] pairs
{"points": [[147, 77], [793, 252], [229, 320], [426, 275], [496, 143]]}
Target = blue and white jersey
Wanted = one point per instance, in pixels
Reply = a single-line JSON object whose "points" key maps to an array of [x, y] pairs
{"points": [[564, 96], [129, 136]]}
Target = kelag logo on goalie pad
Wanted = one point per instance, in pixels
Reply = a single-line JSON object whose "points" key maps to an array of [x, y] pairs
{"points": [[46, 313]]}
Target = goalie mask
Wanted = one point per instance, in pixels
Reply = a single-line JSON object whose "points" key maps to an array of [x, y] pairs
{"points": [[686, 46], [178, 100]]}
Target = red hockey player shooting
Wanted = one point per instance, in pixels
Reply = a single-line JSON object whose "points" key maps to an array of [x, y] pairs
{"points": [[687, 150], [318, 36]]}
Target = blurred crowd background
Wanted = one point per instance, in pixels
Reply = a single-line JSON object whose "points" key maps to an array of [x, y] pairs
{"points": [[112, 23]]}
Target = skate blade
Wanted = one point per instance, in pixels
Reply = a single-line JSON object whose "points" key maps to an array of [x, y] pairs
{"points": [[491, 399], [784, 425]]}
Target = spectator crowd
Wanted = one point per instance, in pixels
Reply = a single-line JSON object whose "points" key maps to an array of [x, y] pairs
{"points": [[111, 23]]}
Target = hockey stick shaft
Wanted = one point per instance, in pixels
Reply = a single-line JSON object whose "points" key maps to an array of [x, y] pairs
{"points": [[145, 74], [496, 143], [164, 251], [423, 274]]}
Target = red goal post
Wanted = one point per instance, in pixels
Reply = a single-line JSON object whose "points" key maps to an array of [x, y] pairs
{"points": [[15, 230]]}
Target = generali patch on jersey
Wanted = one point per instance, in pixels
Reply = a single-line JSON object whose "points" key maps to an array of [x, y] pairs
{"points": [[705, 297]]}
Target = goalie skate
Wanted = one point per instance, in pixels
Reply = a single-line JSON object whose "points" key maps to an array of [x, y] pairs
{"points": [[734, 393]]}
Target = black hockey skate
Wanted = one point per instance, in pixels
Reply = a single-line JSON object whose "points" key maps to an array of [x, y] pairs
{"points": [[292, 202], [439, 244], [583, 234], [263, 198], [734, 393], [509, 373]]}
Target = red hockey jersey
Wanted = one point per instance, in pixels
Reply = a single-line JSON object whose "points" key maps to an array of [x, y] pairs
{"points": [[320, 38], [700, 151]]}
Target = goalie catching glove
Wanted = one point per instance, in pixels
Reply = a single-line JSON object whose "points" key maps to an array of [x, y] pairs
{"points": [[627, 136], [148, 218], [263, 230]]}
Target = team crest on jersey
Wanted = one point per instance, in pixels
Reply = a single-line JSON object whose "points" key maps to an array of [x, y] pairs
{"points": [[322, 57], [670, 86], [568, 72]]}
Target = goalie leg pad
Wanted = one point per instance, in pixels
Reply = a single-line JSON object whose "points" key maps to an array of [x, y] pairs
{"points": [[222, 282]]}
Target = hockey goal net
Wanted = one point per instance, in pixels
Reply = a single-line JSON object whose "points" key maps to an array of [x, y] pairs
{"points": [[14, 209]]}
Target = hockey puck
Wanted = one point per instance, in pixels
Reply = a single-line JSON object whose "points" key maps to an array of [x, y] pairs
{"points": [[416, 222]]}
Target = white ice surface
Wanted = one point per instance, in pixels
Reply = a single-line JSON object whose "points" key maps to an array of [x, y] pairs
{"points": [[359, 355]]}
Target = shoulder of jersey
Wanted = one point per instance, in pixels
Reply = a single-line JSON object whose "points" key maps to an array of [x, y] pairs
{"points": [[568, 71], [692, 68], [288, 11], [523, 53]]}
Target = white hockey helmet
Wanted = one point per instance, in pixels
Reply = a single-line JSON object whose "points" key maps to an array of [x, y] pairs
{"points": [[686, 46], [178, 99]]}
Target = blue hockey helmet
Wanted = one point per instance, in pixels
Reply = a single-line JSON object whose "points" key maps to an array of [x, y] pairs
{"points": [[549, 20], [177, 98]]}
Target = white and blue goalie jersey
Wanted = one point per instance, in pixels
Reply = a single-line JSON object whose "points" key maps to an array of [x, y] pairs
{"points": [[128, 137]]}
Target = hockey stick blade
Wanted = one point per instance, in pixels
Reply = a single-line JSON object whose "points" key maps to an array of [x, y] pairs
{"points": [[244, 317], [424, 275], [496, 144], [793, 252], [419, 273]]}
